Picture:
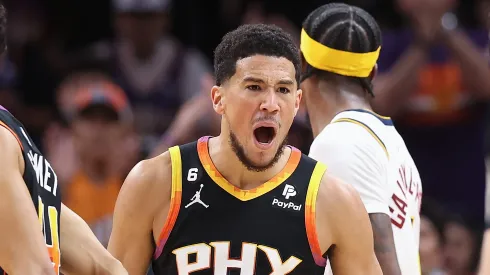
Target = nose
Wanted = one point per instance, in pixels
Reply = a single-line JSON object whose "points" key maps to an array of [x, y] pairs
{"points": [[270, 102]]}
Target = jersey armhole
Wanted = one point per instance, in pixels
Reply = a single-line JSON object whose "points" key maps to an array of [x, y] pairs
{"points": [[367, 128], [175, 200], [13, 133], [310, 213]]}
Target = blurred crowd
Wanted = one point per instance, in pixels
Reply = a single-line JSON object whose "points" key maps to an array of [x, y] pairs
{"points": [[101, 85]]}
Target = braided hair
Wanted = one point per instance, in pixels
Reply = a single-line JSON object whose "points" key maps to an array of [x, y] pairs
{"points": [[343, 27]]}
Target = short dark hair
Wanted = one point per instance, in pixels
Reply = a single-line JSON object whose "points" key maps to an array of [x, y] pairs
{"points": [[346, 28], [253, 39], [3, 29]]}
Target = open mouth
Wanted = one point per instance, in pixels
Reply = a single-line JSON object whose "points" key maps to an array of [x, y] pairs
{"points": [[265, 135]]}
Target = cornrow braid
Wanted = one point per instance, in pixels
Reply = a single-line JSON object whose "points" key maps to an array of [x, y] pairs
{"points": [[346, 28]]}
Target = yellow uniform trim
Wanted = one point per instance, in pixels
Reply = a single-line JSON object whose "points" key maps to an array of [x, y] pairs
{"points": [[310, 213], [336, 61], [368, 129], [175, 199]]}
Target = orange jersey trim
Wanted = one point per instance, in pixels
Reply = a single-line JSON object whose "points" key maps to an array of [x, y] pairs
{"points": [[13, 133], [310, 213], [175, 200], [245, 195]]}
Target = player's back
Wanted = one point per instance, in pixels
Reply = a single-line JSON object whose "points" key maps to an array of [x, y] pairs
{"points": [[42, 184], [214, 227], [400, 181]]}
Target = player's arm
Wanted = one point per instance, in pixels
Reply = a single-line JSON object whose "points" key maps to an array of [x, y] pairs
{"points": [[81, 252], [22, 245], [143, 194], [345, 219], [355, 157], [384, 243]]}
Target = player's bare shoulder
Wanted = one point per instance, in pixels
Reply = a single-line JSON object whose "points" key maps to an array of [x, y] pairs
{"points": [[148, 185], [336, 203], [10, 147]]}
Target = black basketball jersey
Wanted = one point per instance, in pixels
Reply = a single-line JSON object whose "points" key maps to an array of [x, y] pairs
{"points": [[216, 228], [42, 184]]}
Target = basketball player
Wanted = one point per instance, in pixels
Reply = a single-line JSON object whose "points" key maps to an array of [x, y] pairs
{"points": [[30, 202], [340, 45], [261, 207]]}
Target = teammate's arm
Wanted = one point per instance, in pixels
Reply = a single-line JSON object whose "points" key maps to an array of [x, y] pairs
{"points": [[142, 196], [353, 155], [350, 234], [22, 245], [81, 252]]}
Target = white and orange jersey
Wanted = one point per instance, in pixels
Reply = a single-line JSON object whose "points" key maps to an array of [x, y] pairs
{"points": [[365, 150]]}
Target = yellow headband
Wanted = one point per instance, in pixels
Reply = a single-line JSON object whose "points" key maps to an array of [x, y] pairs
{"points": [[340, 62]]}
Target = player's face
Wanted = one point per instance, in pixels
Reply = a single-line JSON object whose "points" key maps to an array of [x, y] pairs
{"points": [[95, 132], [459, 247], [258, 104]]}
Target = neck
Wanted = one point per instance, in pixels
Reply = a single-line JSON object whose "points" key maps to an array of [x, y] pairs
{"points": [[232, 169], [332, 98]]}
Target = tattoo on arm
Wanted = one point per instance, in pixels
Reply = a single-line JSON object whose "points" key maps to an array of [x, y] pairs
{"points": [[384, 244]]}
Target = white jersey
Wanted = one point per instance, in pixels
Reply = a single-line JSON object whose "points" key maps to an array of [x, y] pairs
{"points": [[365, 150]]}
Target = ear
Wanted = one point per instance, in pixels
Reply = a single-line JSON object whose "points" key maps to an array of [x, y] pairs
{"points": [[297, 103], [374, 72], [217, 98]]}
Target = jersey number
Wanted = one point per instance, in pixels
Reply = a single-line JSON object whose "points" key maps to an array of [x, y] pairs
{"points": [[192, 175], [51, 228]]}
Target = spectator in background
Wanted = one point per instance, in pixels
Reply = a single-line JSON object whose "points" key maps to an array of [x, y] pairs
{"points": [[97, 150], [196, 118], [462, 245], [33, 55], [431, 238], [8, 78], [156, 71], [434, 81], [485, 255]]}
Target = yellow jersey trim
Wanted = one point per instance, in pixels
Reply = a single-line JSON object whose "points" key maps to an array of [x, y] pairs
{"points": [[310, 213]]}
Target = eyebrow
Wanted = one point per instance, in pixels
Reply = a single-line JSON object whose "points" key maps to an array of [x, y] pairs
{"points": [[258, 80]]}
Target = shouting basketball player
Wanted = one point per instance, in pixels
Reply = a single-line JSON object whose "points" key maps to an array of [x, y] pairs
{"points": [[243, 202], [39, 234], [340, 45]]}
